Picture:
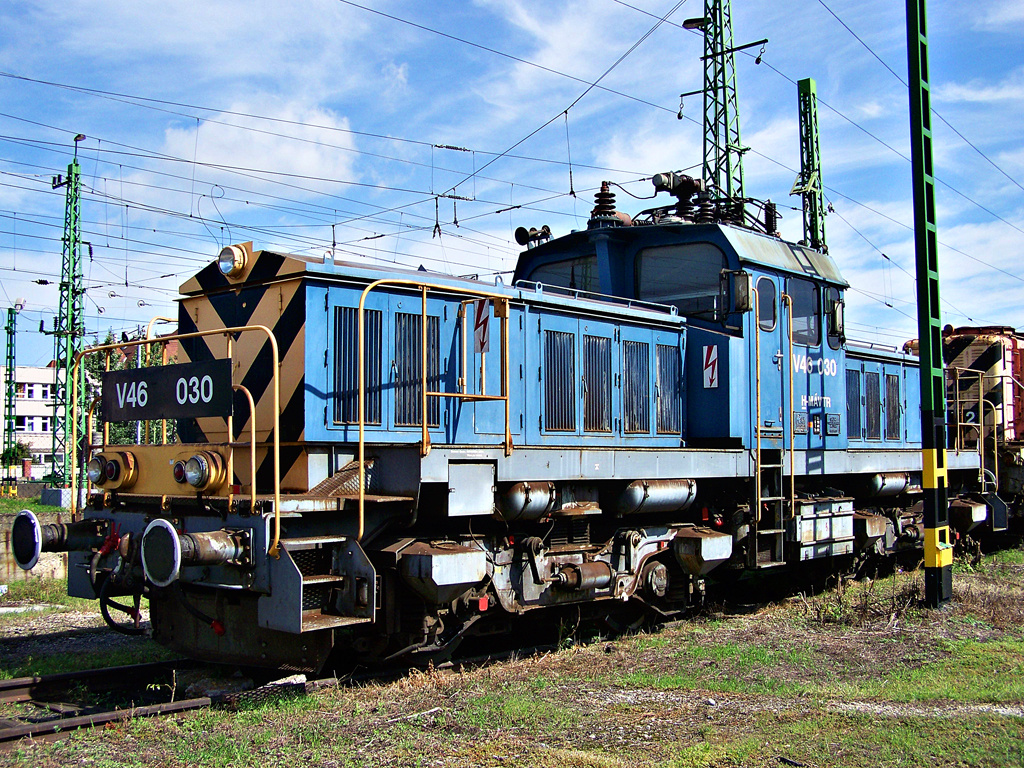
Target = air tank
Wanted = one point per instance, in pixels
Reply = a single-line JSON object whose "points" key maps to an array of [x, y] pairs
{"points": [[650, 496]]}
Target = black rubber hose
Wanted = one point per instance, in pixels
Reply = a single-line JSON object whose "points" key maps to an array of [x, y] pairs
{"points": [[106, 602]]}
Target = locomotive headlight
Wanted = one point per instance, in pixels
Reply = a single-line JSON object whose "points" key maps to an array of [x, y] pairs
{"points": [[204, 470], [197, 471], [231, 260], [94, 470]]}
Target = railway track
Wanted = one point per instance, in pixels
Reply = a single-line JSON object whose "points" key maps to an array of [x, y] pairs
{"points": [[51, 698], [55, 717]]}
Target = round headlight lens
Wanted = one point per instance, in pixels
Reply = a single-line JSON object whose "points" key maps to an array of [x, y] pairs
{"points": [[197, 471], [231, 260], [94, 470], [112, 470], [179, 471]]}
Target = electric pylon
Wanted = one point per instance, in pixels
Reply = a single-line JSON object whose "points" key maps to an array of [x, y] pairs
{"points": [[70, 331], [808, 184], [10, 486], [723, 152], [938, 545]]}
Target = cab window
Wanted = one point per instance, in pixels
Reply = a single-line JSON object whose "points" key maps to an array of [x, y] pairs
{"points": [[686, 276], [766, 308], [834, 312], [577, 274], [806, 312]]}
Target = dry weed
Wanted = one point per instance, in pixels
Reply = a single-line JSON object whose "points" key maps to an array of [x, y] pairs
{"points": [[867, 602]]}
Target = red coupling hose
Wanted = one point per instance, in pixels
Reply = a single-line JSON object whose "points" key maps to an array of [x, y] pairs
{"points": [[218, 628], [112, 542]]}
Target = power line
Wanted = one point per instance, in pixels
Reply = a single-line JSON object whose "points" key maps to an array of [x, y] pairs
{"points": [[905, 85], [510, 56], [589, 88], [134, 100]]}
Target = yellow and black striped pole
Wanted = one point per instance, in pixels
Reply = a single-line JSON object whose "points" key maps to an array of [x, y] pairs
{"points": [[938, 549]]}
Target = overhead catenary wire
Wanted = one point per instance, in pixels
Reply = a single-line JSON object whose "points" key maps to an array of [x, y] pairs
{"points": [[463, 219], [904, 83]]}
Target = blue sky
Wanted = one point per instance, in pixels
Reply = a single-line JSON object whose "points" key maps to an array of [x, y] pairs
{"points": [[319, 124]]}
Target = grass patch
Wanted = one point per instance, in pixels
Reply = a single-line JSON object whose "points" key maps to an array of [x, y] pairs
{"points": [[513, 709], [1006, 557], [970, 671], [48, 591], [142, 650], [730, 666], [9, 506], [865, 740]]}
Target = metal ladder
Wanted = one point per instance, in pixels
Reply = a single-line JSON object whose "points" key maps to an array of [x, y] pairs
{"points": [[768, 521], [770, 510]]}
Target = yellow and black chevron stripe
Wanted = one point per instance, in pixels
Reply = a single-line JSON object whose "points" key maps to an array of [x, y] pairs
{"points": [[270, 292]]}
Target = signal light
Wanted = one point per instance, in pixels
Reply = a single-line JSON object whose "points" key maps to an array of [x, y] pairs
{"points": [[179, 471], [113, 471]]}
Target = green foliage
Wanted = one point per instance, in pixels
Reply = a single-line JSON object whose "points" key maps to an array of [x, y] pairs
{"points": [[15, 454], [126, 359]]}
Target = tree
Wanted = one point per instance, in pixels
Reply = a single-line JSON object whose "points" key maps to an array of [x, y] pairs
{"points": [[123, 359], [14, 455]]}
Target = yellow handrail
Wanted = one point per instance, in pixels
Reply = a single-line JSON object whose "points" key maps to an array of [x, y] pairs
{"points": [[163, 361], [423, 287], [755, 518], [227, 333], [981, 377], [788, 301], [252, 444]]}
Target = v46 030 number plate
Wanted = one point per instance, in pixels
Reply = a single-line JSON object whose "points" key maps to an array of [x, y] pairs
{"points": [[188, 390]]}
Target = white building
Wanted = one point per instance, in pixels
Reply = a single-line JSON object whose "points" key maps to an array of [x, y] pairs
{"points": [[33, 411]]}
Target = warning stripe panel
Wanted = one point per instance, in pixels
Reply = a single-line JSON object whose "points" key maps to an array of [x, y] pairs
{"points": [[982, 365], [279, 306]]}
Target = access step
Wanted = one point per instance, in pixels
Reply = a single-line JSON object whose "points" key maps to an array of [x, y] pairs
{"points": [[322, 580], [310, 542], [313, 619]]}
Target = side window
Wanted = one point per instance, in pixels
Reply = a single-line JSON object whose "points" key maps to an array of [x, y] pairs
{"points": [[853, 405], [873, 406], [668, 389], [766, 304], [834, 310], [687, 276], [346, 373], [636, 397], [806, 312], [407, 368], [559, 381], [597, 384]]}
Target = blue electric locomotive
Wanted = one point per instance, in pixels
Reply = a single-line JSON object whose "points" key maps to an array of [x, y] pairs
{"points": [[381, 463]]}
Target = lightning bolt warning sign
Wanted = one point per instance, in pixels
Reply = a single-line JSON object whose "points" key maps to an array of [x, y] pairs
{"points": [[711, 367]]}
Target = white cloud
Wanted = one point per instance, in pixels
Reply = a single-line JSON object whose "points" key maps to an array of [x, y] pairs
{"points": [[309, 151], [1009, 89], [999, 15]]}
